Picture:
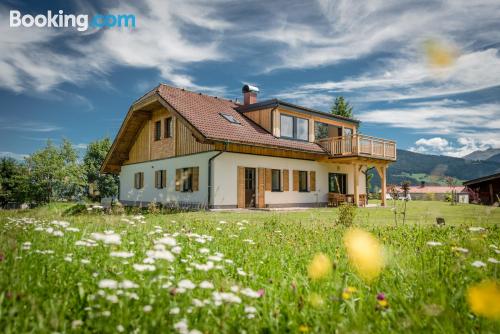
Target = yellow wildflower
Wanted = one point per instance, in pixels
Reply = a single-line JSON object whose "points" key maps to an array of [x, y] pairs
{"points": [[484, 299], [303, 328], [320, 267], [364, 252]]}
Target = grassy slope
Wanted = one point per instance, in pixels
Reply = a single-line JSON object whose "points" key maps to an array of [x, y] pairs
{"points": [[425, 285]]}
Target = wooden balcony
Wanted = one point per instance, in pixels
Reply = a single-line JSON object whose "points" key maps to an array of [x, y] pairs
{"points": [[359, 145]]}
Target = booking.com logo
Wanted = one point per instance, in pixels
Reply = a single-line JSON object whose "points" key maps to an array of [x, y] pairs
{"points": [[80, 22]]}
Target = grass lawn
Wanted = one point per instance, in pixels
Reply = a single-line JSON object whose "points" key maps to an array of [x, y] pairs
{"points": [[234, 272]]}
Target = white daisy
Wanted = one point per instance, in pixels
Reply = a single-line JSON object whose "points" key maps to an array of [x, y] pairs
{"points": [[250, 293], [108, 284], [206, 285], [159, 254], [122, 254], [186, 284], [144, 267], [478, 264], [126, 284], [434, 243]]}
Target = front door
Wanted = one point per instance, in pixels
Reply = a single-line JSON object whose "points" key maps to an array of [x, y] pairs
{"points": [[250, 187]]}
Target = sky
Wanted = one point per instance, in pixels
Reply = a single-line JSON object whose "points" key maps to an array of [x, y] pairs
{"points": [[424, 73]]}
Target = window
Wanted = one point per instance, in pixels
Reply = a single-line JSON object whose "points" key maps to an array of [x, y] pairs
{"points": [[286, 126], [276, 180], [294, 127], [139, 180], [168, 127], [337, 183], [303, 181], [302, 128], [160, 179], [230, 118], [320, 130], [347, 132], [187, 179], [158, 130]]}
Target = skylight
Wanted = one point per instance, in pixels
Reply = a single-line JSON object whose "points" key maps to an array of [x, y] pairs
{"points": [[230, 118]]}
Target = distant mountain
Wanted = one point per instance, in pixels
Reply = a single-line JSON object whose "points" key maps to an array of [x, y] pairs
{"points": [[432, 169], [483, 155], [495, 158]]}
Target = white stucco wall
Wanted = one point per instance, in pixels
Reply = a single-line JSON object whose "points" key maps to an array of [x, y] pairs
{"points": [[150, 194], [224, 176], [224, 191]]}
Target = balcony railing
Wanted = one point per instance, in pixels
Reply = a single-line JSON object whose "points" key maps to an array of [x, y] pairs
{"points": [[359, 145]]}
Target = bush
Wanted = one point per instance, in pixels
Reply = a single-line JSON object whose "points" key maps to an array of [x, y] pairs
{"points": [[77, 209], [153, 208], [347, 212], [117, 208]]}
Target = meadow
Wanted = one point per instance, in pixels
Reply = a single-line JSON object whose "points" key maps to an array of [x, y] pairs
{"points": [[245, 272]]}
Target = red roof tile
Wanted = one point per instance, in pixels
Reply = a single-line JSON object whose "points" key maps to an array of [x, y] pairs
{"points": [[203, 112]]}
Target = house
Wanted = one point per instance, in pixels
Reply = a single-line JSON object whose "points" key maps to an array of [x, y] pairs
{"points": [[485, 190], [429, 193], [178, 146]]}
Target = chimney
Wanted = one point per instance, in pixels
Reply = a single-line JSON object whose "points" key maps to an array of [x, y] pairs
{"points": [[249, 94]]}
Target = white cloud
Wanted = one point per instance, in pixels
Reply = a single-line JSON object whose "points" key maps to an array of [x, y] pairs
{"points": [[439, 117], [441, 146], [414, 79], [346, 30], [462, 129], [17, 156], [29, 126], [30, 60], [436, 143]]}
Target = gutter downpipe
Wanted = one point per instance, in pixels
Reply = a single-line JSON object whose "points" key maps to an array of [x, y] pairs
{"points": [[210, 173]]}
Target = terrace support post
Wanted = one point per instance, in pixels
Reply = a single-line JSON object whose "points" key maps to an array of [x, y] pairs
{"points": [[382, 171], [356, 184]]}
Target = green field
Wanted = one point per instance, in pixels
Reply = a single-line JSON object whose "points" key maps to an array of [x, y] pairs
{"points": [[54, 279]]}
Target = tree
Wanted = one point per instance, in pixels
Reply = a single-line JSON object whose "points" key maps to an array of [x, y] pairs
{"points": [[341, 107], [452, 183], [55, 173], [106, 185], [14, 182]]}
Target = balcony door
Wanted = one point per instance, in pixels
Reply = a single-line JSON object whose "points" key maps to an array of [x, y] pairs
{"points": [[337, 183]]}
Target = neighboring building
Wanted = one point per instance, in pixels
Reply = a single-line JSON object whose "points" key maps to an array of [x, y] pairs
{"points": [[434, 193], [177, 146], [486, 189]]}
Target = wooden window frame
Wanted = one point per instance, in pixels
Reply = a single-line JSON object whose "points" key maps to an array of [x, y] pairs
{"points": [[345, 184], [294, 127], [168, 127], [157, 130], [160, 179], [187, 182], [139, 180], [303, 173], [280, 184]]}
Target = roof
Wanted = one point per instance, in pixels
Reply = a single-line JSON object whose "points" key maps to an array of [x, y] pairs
{"points": [[273, 103], [203, 112], [429, 189], [482, 179]]}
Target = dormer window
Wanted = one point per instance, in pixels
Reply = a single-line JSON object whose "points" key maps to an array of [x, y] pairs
{"points": [[230, 118], [294, 127]]}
